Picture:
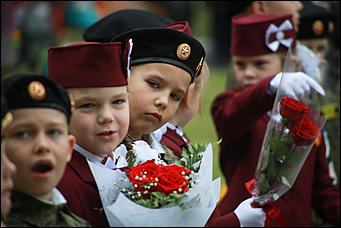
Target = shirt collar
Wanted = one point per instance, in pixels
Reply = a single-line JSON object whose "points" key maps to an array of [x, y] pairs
{"points": [[90, 156], [56, 198]]}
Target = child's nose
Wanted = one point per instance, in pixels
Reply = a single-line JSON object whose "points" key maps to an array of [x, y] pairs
{"points": [[162, 101], [249, 72], [42, 144], [105, 116]]}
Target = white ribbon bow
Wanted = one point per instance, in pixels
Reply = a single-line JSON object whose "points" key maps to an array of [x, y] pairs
{"points": [[280, 39]]}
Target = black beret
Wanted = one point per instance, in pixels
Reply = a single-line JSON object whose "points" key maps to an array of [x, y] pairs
{"points": [[153, 41], [165, 45], [35, 91], [315, 22], [122, 21]]}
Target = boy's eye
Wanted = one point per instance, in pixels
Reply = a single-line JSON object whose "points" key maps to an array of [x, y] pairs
{"points": [[88, 105], [21, 134], [54, 132], [260, 63], [118, 101], [153, 84], [240, 64], [175, 97]]}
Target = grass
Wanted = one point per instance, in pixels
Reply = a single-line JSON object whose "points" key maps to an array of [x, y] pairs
{"points": [[201, 128]]}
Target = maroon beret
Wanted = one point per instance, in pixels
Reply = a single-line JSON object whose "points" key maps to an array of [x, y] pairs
{"points": [[89, 64], [259, 34]]}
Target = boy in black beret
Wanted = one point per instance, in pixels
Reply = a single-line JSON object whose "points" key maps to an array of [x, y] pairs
{"points": [[316, 25], [164, 63], [39, 144]]}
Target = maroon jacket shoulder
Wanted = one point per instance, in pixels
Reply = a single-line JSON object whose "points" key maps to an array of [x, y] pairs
{"points": [[80, 190]]}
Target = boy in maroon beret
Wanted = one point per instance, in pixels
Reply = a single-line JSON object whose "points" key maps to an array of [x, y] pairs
{"points": [[259, 43], [95, 75]]}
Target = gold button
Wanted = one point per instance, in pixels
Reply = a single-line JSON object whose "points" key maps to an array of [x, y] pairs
{"points": [[36, 90], [183, 51], [318, 27]]}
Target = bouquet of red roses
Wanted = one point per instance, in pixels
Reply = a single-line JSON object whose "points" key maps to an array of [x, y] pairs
{"points": [[144, 190], [155, 184], [291, 132]]}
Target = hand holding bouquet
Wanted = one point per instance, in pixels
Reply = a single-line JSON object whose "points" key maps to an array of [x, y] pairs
{"points": [[294, 125]]}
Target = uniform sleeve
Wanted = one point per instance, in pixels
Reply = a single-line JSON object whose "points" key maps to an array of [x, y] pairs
{"points": [[240, 109], [326, 196], [73, 199]]}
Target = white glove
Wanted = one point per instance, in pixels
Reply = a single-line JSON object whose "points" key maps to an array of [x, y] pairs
{"points": [[296, 85], [248, 215]]}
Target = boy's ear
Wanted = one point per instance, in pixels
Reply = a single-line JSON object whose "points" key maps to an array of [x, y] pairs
{"points": [[186, 100], [72, 141]]}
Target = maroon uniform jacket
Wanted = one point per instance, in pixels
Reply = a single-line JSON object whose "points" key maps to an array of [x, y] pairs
{"points": [[80, 190], [174, 141], [240, 117]]}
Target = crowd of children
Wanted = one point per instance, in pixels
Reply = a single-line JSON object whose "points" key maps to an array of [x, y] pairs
{"points": [[141, 76]]}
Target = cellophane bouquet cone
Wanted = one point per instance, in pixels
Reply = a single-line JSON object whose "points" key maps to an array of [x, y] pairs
{"points": [[290, 135]]}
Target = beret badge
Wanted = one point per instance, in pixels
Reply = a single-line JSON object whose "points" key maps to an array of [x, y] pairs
{"points": [[183, 51], [318, 27], [36, 90]]}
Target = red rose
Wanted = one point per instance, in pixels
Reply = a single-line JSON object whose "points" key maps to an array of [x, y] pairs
{"points": [[144, 173], [172, 179], [292, 109], [304, 131]]}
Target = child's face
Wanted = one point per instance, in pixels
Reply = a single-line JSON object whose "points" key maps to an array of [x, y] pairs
{"points": [[318, 46], [282, 7], [39, 145], [155, 91], [251, 70], [7, 171], [100, 119]]}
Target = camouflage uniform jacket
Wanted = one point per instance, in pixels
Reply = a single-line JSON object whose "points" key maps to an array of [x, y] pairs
{"points": [[29, 211]]}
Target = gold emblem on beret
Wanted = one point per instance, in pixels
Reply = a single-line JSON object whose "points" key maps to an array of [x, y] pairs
{"points": [[36, 90], [183, 51], [318, 27], [7, 120], [199, 66]]}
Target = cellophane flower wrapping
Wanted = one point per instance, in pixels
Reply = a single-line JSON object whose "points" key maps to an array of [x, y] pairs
{"points": [[194, 209], [290, 135]]}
